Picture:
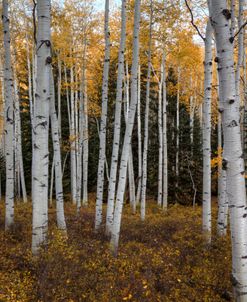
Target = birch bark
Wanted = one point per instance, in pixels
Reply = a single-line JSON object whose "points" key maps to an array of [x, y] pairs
{"points": [[9, 120], [128, 133], [102, 147], [57, 159], [146, 133], [206, 223], [41, 126], [138, 193], [160, 129], [117, 123], [164, 139], [233, 154]]}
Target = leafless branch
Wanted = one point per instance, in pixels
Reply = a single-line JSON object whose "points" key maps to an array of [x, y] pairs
{"points": [[239, 30], [192, 20]]}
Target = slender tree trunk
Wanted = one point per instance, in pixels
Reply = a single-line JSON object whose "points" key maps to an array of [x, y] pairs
{"points": [[41, 126], [128, 133], [52, 181], [222, 196], [57, 159], [73, 139], [146, 132], [59, 84], [9, 121], [85, 130], [138, 194], [164, 140], [30, 86], [78, 140], [207, 133], [192, 113], [117, 124], [160, 129], [19, 158], [232, 154], [85, 148], [177, 128], [102, 147], [240, 51]]}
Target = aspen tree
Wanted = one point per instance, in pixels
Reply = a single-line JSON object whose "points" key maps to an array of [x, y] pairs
{"points": [[145, 143], [57, 159], [128, 133], [41, 126], [117, 123], [9, 119], [222, 196], [164, 139], [102, 147], [160, 129], [138, 193], [232, 154], [206, 224], [85, 129]]}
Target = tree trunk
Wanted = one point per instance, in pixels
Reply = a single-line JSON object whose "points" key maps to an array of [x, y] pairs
{"points": [[102, 147], [41, 127], [73, 139], [146, 132], [9, 121], [57, 160], [160, 129], [232, 155], [117, 124], [177, 130], [138, 194], [19, 157], [85, 130], [206, 223], [128, 133], [164, 140]]}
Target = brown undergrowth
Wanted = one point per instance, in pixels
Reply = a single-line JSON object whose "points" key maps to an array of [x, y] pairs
{"points": [[161, 259]]}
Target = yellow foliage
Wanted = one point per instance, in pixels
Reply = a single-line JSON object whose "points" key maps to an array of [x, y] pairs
{"points": [[164, 259]]}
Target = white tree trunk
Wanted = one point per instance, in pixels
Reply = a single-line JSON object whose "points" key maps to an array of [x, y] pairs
{"points": [[117, 124], [19, 157], [206, 223], [233, 154], [85, 150], [146, 125], [78, 143], [57, 160], [164, 140], [73, 139], [41, 126], [222, 194], [102, 147], [128, 133], [192, 113], [9, 121], [59, 84], [138, 194], [30, 86], [240, 51], [85, 131], [160, 129]]}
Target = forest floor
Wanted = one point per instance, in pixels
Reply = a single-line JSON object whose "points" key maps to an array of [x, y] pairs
{"points": [[162, 259]]}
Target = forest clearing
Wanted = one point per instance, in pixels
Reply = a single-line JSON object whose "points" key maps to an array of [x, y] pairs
{"points": [[123, 150]]}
